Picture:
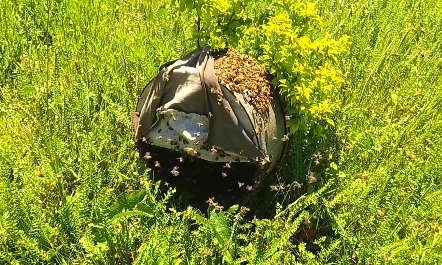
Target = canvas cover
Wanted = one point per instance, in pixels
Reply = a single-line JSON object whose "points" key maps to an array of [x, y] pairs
{"points": [[184, 108]]}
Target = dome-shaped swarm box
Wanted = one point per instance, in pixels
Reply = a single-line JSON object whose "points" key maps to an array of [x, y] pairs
{"points": [[210, 125]]}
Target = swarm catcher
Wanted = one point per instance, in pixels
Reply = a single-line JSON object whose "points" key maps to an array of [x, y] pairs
{"points": [[210, 124]]}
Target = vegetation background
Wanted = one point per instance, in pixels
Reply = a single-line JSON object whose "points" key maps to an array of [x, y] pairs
{"points": [[74, 191]]}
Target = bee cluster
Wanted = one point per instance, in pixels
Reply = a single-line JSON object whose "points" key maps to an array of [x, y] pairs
{"points": [[244, 74]]}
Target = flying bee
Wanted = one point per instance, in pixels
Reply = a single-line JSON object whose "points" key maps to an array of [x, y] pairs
{"points": [[284, 138], [240, 184], [199, 124], [227, 165], [191, 151], [287, 118], [297, 184], [361, 176], [155, 98], [197, 133], [157, 164], [210, 114], [311, 178], [166, 184], [160, 137], [144, 140], [224, 174], [265, 160], [241, 152], [173, 117], [167, 78], [180, 159], [417, 93], [175, 171], [168, 140], [274, 138], [249, 188], [197, 142], [276, 187], [212, 202], [147, 156]]}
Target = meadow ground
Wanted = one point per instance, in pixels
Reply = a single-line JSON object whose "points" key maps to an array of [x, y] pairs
{"points": [[74, 191]]}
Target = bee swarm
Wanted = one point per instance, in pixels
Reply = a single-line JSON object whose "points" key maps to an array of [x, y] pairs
{"points": [[240, 72]]}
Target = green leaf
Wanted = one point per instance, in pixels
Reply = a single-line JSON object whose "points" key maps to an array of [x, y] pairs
{"points": [[126, 202], [330, 121], [189, 3]]}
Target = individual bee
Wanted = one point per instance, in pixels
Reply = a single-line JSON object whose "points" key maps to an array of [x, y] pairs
{"points": [[191, 151], [227, 108], [199, 124], [265, 160], [317, 162], [166, 184], [241, 152], [212, 202], [147, 156], [249, 188], [157, 164], [287, 118], [361, 176], [160, 137], [240, 184], [210, 114], [197, 133], [317, 155], [224, 174], [274, 138], [213, 150], [173, 117], [168, 140], [167, 78], [144, 140], [175, 171], [180, 159], [276, 187], [197, 142], [284, 138], [311, 178], [227, 165], [307, 219], [155, 98], [297, 184]]}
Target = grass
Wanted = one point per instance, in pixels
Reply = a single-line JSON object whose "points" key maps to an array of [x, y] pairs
{"points": [[73, 190]]}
